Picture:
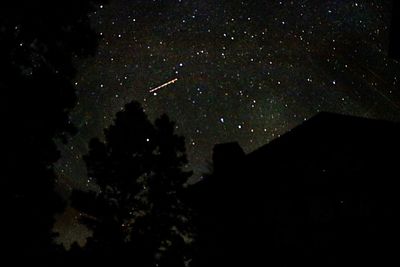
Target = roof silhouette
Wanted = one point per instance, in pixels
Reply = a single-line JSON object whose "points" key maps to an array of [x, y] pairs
{"points": [[323, 194]]}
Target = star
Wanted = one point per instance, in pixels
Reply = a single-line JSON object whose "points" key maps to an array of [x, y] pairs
{"points": [[248, 71]]}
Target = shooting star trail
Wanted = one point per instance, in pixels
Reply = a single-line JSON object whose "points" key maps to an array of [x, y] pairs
{"points": [[163, 85]]}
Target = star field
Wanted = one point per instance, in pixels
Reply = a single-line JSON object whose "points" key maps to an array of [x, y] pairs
{"points": [[247, 71]]}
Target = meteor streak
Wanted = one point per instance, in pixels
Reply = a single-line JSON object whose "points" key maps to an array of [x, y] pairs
{"points": [[163, 85]]}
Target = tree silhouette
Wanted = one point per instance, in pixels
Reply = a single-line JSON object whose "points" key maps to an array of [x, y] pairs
{"points": [[39, 42], [138, 214]]}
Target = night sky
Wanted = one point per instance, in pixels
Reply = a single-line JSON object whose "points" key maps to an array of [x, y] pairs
{"points": [[247, 71]]}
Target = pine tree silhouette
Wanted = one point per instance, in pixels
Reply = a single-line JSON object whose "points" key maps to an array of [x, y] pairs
{"points": [[39, 42], [138, 214]]}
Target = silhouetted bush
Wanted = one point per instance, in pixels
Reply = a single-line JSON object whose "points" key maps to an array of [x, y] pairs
{"points": [[39, 40]]}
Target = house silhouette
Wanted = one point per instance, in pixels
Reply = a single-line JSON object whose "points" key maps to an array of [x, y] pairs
{"points": [[323, 194]]}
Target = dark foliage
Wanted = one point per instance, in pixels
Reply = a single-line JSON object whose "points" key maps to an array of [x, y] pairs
{"points": [[39, 40], [138, 215]]}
